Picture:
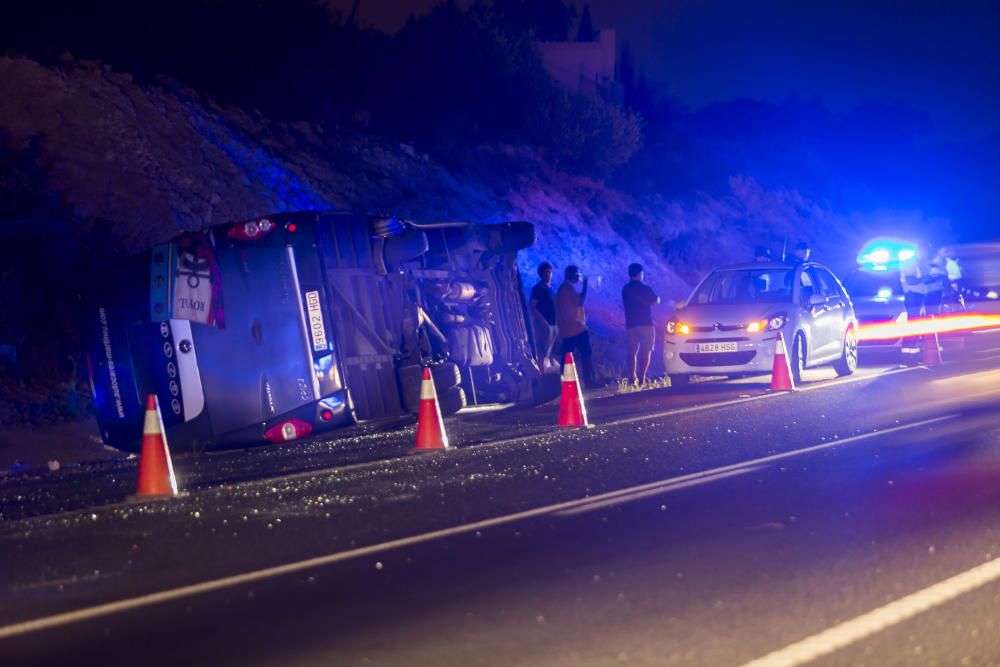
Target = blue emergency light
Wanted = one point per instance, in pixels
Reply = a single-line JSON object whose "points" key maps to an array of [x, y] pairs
{"points": [[886, 254]]}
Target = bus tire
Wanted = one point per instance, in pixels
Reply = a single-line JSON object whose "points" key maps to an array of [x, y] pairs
{"points": [[446, 376], [409, 386], [452, 400], [511, 236], [405, 247]]}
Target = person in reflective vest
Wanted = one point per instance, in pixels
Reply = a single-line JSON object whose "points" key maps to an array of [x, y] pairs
{"points": [[922, 285]]}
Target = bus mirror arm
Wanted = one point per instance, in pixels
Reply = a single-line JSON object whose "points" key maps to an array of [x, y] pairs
{"points": [[423, 318]]}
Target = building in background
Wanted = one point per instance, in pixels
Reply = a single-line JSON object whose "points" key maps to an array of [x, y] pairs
{"points": [[589, 68]]}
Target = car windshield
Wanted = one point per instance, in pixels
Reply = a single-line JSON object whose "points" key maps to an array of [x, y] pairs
{"points": [[745, 286]]}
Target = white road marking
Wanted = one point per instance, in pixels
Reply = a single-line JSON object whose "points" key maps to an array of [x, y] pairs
{"points": [[736, 401], [706, 406], [97, 611], [877, 620], [675, 484]]}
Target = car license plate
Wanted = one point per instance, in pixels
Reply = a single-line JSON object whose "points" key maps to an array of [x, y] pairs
{"points": [[715, 347]]}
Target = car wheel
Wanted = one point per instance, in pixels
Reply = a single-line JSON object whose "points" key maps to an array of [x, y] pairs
{"points": [[797, 360], [680, 382], [848, 362]]}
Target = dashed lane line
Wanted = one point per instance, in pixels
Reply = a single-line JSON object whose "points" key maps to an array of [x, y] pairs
{"points": [[98, 611], [676, 484], [877, 620], [627, 495], [826, 384]]}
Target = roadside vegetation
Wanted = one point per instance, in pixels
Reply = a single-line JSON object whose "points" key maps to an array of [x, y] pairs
{"points": [[113, 135]]}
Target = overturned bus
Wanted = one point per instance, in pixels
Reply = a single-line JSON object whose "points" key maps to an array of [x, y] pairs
{"points": [[289, 325]]}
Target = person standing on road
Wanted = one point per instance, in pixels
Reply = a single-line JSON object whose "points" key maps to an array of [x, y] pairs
{"points": [[922, 286], [949, 271], [543, 315], [572, 324], [638, 299]]}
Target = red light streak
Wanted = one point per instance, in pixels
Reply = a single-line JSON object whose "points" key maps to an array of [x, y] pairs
{"points": [[927, 325]]}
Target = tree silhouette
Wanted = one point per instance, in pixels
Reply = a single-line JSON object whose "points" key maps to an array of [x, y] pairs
{"points": [[585, 32]]}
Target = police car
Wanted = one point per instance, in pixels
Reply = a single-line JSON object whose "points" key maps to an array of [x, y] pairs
{"points": [[876, 292]]}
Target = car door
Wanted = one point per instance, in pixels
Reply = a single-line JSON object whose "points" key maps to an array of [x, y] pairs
{"points": [[819, 326], [838, 310]]}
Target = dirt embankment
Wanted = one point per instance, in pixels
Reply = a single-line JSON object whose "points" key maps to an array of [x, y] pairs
{"points": [[135, 163]]}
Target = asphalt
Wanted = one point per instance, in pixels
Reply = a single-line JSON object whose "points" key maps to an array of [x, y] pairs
{"points": [[711, 527], [94, 483]]}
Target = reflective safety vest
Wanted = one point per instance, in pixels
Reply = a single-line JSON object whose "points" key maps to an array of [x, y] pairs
{"points": [[918, 277]]}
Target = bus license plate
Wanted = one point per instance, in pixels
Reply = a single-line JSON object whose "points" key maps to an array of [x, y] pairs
{"points": [[715, 347], [316, 328]]}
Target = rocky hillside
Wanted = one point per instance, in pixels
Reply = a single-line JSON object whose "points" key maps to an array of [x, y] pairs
{"points": [[147, 161]]}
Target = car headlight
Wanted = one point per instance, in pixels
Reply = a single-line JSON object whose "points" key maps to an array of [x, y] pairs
{"points": [[754, 327], [678, 328], [992, 294], [775, 322]]}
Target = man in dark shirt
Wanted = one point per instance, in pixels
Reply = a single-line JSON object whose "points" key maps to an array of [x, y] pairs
{"points": [[543, 315], [638, 299], [572, 323]]}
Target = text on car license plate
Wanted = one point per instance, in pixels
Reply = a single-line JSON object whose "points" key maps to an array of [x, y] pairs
{"points": [[715, 347]]}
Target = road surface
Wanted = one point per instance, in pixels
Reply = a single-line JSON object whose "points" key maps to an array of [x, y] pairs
{"points": [[852, 522]]}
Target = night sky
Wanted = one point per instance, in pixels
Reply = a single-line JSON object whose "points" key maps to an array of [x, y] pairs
{"points": [[937, 58]]}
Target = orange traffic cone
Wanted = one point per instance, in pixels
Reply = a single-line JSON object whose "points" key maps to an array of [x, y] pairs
{"points": [[430, 427], [781, 372], [572, 412], [931, 350], [156, 471]]}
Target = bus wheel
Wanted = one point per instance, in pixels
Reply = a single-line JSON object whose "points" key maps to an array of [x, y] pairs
{"points": [[452, 401], [446, 376]]}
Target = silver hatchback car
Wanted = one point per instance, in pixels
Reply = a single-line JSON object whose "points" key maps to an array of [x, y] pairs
{"points": [[730, 323]]}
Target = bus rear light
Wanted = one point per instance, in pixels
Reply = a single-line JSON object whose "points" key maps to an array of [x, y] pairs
{"points": [[291, 228], [252, 230], [326, 415], [290, 429]]}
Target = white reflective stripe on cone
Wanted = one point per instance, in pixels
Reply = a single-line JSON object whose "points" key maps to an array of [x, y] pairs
{"points": [[152, 424], [779, 348], [427, 391], [569, 372]]}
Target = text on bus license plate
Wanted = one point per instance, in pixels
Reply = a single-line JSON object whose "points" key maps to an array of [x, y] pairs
{"points": [[316, 328]]}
